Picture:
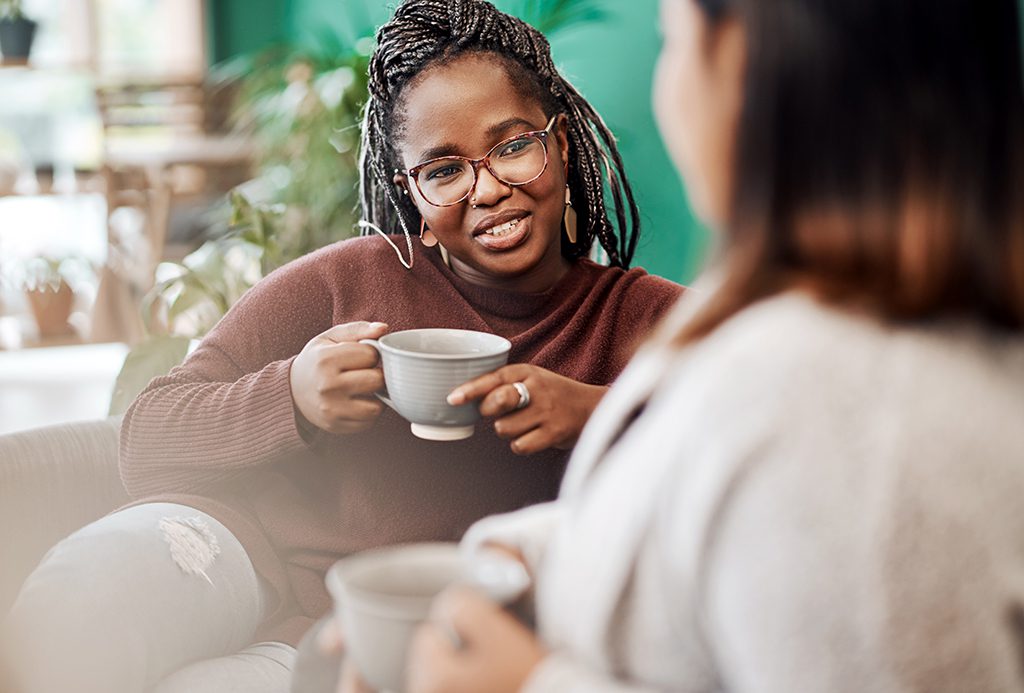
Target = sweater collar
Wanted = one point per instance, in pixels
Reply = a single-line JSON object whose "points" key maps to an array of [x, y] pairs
{"points": [[510, 304]]}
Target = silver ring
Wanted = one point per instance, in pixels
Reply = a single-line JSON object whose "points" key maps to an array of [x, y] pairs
{"points": [[524, 395]]}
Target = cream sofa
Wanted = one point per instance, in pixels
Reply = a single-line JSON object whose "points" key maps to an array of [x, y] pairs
{"points": [[53, 480]]}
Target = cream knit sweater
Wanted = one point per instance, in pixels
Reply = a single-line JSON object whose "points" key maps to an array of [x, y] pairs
{"points": [[811, 501]]}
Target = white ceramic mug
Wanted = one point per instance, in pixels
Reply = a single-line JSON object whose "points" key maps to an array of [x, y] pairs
{"points": [[421, 367], [382, 596]]}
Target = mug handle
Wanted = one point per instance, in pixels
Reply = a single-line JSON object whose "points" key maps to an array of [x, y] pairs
{"points": [[383, 394]]}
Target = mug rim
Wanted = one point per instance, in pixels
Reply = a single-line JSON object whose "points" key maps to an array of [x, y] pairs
{"points": [[501, 346], [378, 602]]}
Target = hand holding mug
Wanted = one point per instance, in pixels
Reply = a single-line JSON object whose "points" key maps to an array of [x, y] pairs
{"points": [[334, 377], [496, 652], [422, 366], [556, 407], [383, 595]]}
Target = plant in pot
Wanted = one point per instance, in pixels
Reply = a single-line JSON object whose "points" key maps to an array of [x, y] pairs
{"points": [[49, 284], [191, 296], [16, 32]]}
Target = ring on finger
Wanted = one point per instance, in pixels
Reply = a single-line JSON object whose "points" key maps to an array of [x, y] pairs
{"points": [[524, 395]]}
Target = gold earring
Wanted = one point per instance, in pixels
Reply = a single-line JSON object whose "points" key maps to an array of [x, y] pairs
{"points": [[426, 235], [569, 220]]}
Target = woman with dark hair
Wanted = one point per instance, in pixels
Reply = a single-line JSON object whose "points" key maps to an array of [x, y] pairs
{"points": [[265, 457], [811, 479]]}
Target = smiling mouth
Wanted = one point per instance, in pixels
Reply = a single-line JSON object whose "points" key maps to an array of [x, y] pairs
{"points": [[504, 236], [502, 229]]}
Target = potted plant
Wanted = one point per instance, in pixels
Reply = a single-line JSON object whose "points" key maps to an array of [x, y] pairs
{"points": [[16, 32], [49, 284]]}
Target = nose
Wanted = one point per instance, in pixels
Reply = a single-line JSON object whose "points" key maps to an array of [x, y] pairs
{"points": [[488, 190]]}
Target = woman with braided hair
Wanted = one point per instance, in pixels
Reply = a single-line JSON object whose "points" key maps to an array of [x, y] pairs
{"points": [[265, 457]]}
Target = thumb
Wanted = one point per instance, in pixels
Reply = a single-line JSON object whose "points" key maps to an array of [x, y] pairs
{"points": [[354, 331], [462, 608]]}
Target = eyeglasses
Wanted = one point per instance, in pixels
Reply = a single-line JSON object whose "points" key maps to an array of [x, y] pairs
{"points": [[518, 160]]}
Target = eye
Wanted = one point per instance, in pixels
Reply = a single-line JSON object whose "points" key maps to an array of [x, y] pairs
{"points": [[443, 171], [514, 147]]}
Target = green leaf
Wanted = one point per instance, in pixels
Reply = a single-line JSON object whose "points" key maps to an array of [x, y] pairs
{"points": [[154, 357], [552, 16], [188, 298]]}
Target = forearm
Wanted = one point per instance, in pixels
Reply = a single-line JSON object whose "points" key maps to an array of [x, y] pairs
{"points": [[181, 436]]}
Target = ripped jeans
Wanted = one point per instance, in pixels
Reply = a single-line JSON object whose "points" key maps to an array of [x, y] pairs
{"points": [[159, 597]]}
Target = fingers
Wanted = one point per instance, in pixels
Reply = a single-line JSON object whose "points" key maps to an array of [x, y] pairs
{"points": [[344, 410], [351, 681], [534, 441], [354, 331], [329, 640], [464, 609], [364, 381], [527, 432], [431, 660], [500, 400], [480, 387], [346, 356]]}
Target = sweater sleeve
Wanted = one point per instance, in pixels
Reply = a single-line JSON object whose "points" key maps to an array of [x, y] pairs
{"points": [[228, 408], [527, 530]]}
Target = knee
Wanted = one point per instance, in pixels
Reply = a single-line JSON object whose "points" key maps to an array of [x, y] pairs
{"points": [[81, 578]]}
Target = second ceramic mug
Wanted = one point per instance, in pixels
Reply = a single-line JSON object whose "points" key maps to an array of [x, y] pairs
{"points": [[422, 366], [382, 596]]}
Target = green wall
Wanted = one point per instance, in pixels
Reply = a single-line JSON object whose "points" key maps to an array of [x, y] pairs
{"points": [[610, 62], [235, 27]]}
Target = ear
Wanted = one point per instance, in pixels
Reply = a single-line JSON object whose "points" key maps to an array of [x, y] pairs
{"points": [[561, 131], [401, 182]]}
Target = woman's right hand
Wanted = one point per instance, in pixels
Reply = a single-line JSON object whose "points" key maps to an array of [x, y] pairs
{"points": [[334, 377]]}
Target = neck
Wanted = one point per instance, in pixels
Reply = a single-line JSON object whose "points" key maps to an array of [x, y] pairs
{"points": [[544, 275]]}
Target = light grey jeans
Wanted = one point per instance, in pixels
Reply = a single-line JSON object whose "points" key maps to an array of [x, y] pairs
{"points": [[159, 597]]}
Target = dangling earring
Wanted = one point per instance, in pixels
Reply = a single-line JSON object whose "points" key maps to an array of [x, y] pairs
{"points": [[569, 220], [426, 235]]}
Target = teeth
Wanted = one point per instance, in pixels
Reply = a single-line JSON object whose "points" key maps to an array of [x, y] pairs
{"points": [[503, 229]]}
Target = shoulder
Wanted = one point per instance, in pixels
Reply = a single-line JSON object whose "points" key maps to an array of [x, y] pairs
{"points": [[794, 341], [326, 265], [633, 286], [780, 339], [809, 381], [358, 251]]}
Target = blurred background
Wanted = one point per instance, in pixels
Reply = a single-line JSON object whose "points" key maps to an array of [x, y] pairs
{"points": [[157, 157]]}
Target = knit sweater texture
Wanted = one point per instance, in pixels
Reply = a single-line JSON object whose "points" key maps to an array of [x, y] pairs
{"points": [[220, 432]]}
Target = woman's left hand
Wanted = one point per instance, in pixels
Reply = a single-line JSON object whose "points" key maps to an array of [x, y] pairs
{"points": [[496, 655], [558, 409]]}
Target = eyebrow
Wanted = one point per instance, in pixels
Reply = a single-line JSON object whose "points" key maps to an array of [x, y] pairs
{"points": [[494, 132]]}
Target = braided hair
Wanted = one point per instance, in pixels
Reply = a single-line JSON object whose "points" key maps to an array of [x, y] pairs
{"points": [[423, 33]]}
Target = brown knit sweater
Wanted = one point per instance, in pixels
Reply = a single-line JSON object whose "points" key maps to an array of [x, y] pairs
{"points": [[219, 433]]}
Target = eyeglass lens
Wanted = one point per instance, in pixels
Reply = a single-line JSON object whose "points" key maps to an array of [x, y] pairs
{"points": [[446, 181]]}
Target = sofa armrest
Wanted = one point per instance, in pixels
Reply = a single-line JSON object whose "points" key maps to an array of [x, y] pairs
{"points": [[53, 480]]}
